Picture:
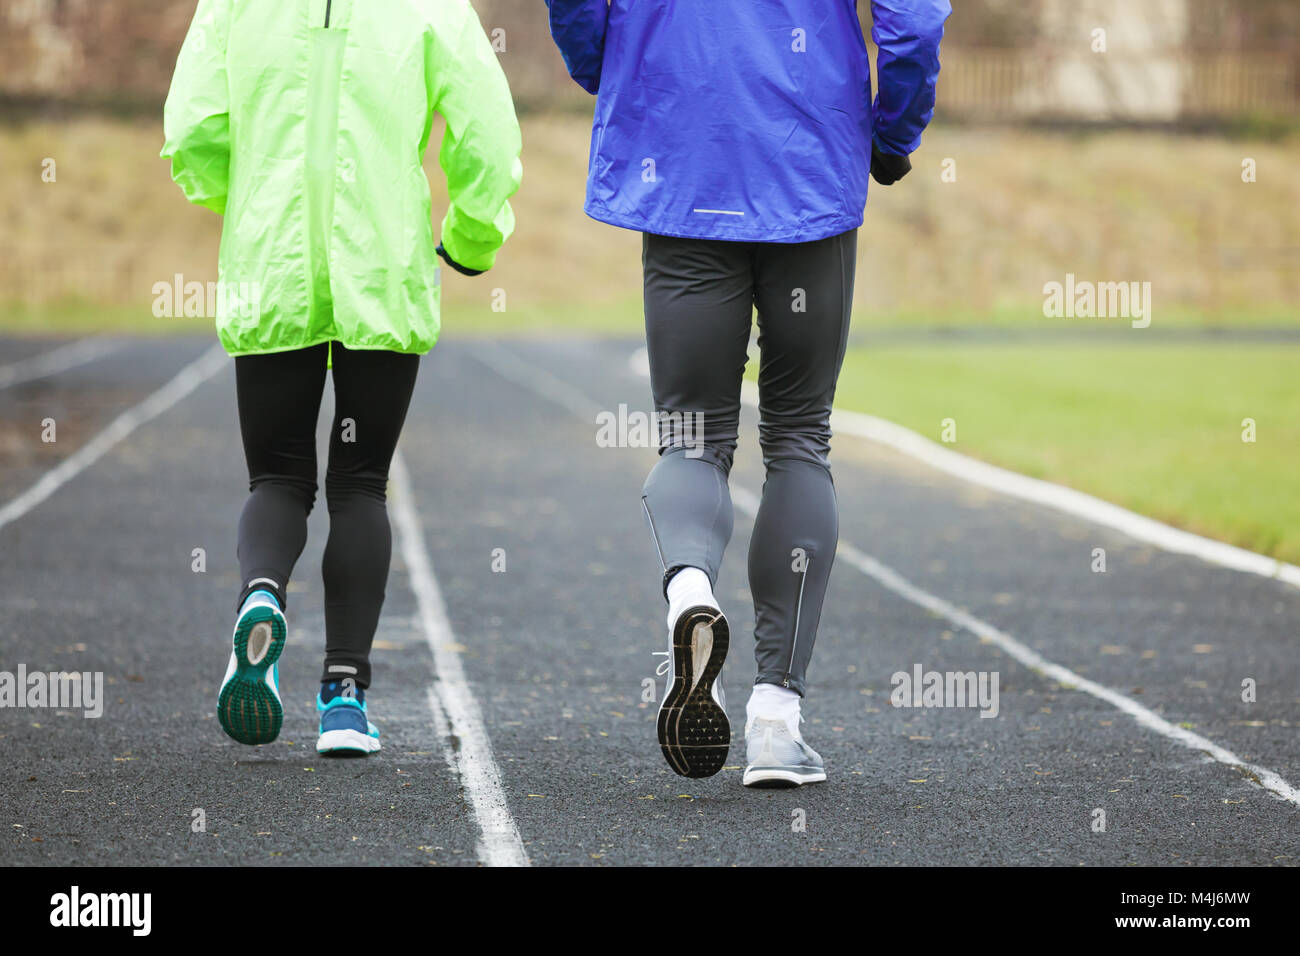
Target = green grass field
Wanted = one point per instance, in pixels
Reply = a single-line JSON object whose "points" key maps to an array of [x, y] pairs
{"points": [[1155, 428]]}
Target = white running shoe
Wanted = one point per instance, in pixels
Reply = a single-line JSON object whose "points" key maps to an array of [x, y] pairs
{"points": [[778, 756], [694, 732]]}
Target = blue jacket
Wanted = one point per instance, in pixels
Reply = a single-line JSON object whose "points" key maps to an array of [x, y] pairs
{"points": [[745, 119]]}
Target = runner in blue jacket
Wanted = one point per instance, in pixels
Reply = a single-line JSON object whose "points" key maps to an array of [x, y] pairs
{"points": [[738, 136]]}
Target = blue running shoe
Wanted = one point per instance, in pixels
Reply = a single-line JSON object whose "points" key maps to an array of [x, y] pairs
{"points": [[345, 730], [249, 704]]}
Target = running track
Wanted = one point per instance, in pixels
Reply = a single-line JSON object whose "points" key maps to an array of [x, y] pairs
{"points": [[511, 702]]}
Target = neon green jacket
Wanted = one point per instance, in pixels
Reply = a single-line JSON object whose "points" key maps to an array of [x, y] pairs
{"points": [[305, 122]]}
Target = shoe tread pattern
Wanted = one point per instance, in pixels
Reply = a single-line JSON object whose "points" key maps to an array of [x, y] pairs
{"points": [[248, 710], [694, 732]]}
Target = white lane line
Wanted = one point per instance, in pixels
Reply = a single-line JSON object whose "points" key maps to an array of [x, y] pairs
{"points": [[187, 380], [1057, 497], [56, 360], [455, 711], [747, 502]]}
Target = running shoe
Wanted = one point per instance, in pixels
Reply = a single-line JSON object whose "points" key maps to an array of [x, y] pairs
{"points": [[345, 729], [693, 729], [249, 705], [778, 756]]}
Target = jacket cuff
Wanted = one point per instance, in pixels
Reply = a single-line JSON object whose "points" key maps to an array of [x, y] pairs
{"points": [[882, 147], [463, 270]]}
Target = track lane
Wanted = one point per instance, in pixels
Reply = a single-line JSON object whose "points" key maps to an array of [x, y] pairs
{"points": [[556, 649], [1147, 782]]}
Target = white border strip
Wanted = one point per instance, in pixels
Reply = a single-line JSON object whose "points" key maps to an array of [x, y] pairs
{"points": [[747, 502], [187, 380], [454, 708], [56, 360]]}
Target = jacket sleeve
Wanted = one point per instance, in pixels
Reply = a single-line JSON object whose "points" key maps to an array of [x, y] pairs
{"points": [[578, 28], [907, 35], [481, 147], [196, 117]]}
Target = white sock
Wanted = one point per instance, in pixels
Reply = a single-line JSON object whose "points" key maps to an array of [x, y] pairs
{"points": [[689, 587], [774, 702]]}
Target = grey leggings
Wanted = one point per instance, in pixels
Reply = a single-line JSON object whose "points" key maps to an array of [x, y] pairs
{"points": [[700, 295]]}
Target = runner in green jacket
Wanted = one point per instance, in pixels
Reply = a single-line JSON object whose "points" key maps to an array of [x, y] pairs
{"points": [[305, 122]]}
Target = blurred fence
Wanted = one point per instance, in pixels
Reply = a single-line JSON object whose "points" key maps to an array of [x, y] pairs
{"points": [[1007, 85], [1005, 60]]}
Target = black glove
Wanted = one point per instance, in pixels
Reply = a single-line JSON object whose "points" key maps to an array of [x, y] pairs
{"points": [[456, 265], [886, 168]]}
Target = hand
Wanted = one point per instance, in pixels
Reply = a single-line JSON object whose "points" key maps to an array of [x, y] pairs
{"points": [[456, 265], [886, 168]]}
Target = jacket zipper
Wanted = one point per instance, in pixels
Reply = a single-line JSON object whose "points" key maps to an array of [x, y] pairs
{"points": [[328, 5], [798, 611]]}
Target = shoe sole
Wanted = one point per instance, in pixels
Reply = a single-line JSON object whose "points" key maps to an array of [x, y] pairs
{"points": [[694, 732], [780, 778], [346, 743], [249, 711]]}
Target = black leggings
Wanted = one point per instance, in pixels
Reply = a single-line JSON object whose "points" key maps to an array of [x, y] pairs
{"points": [[700, 296], [279, 403]]}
